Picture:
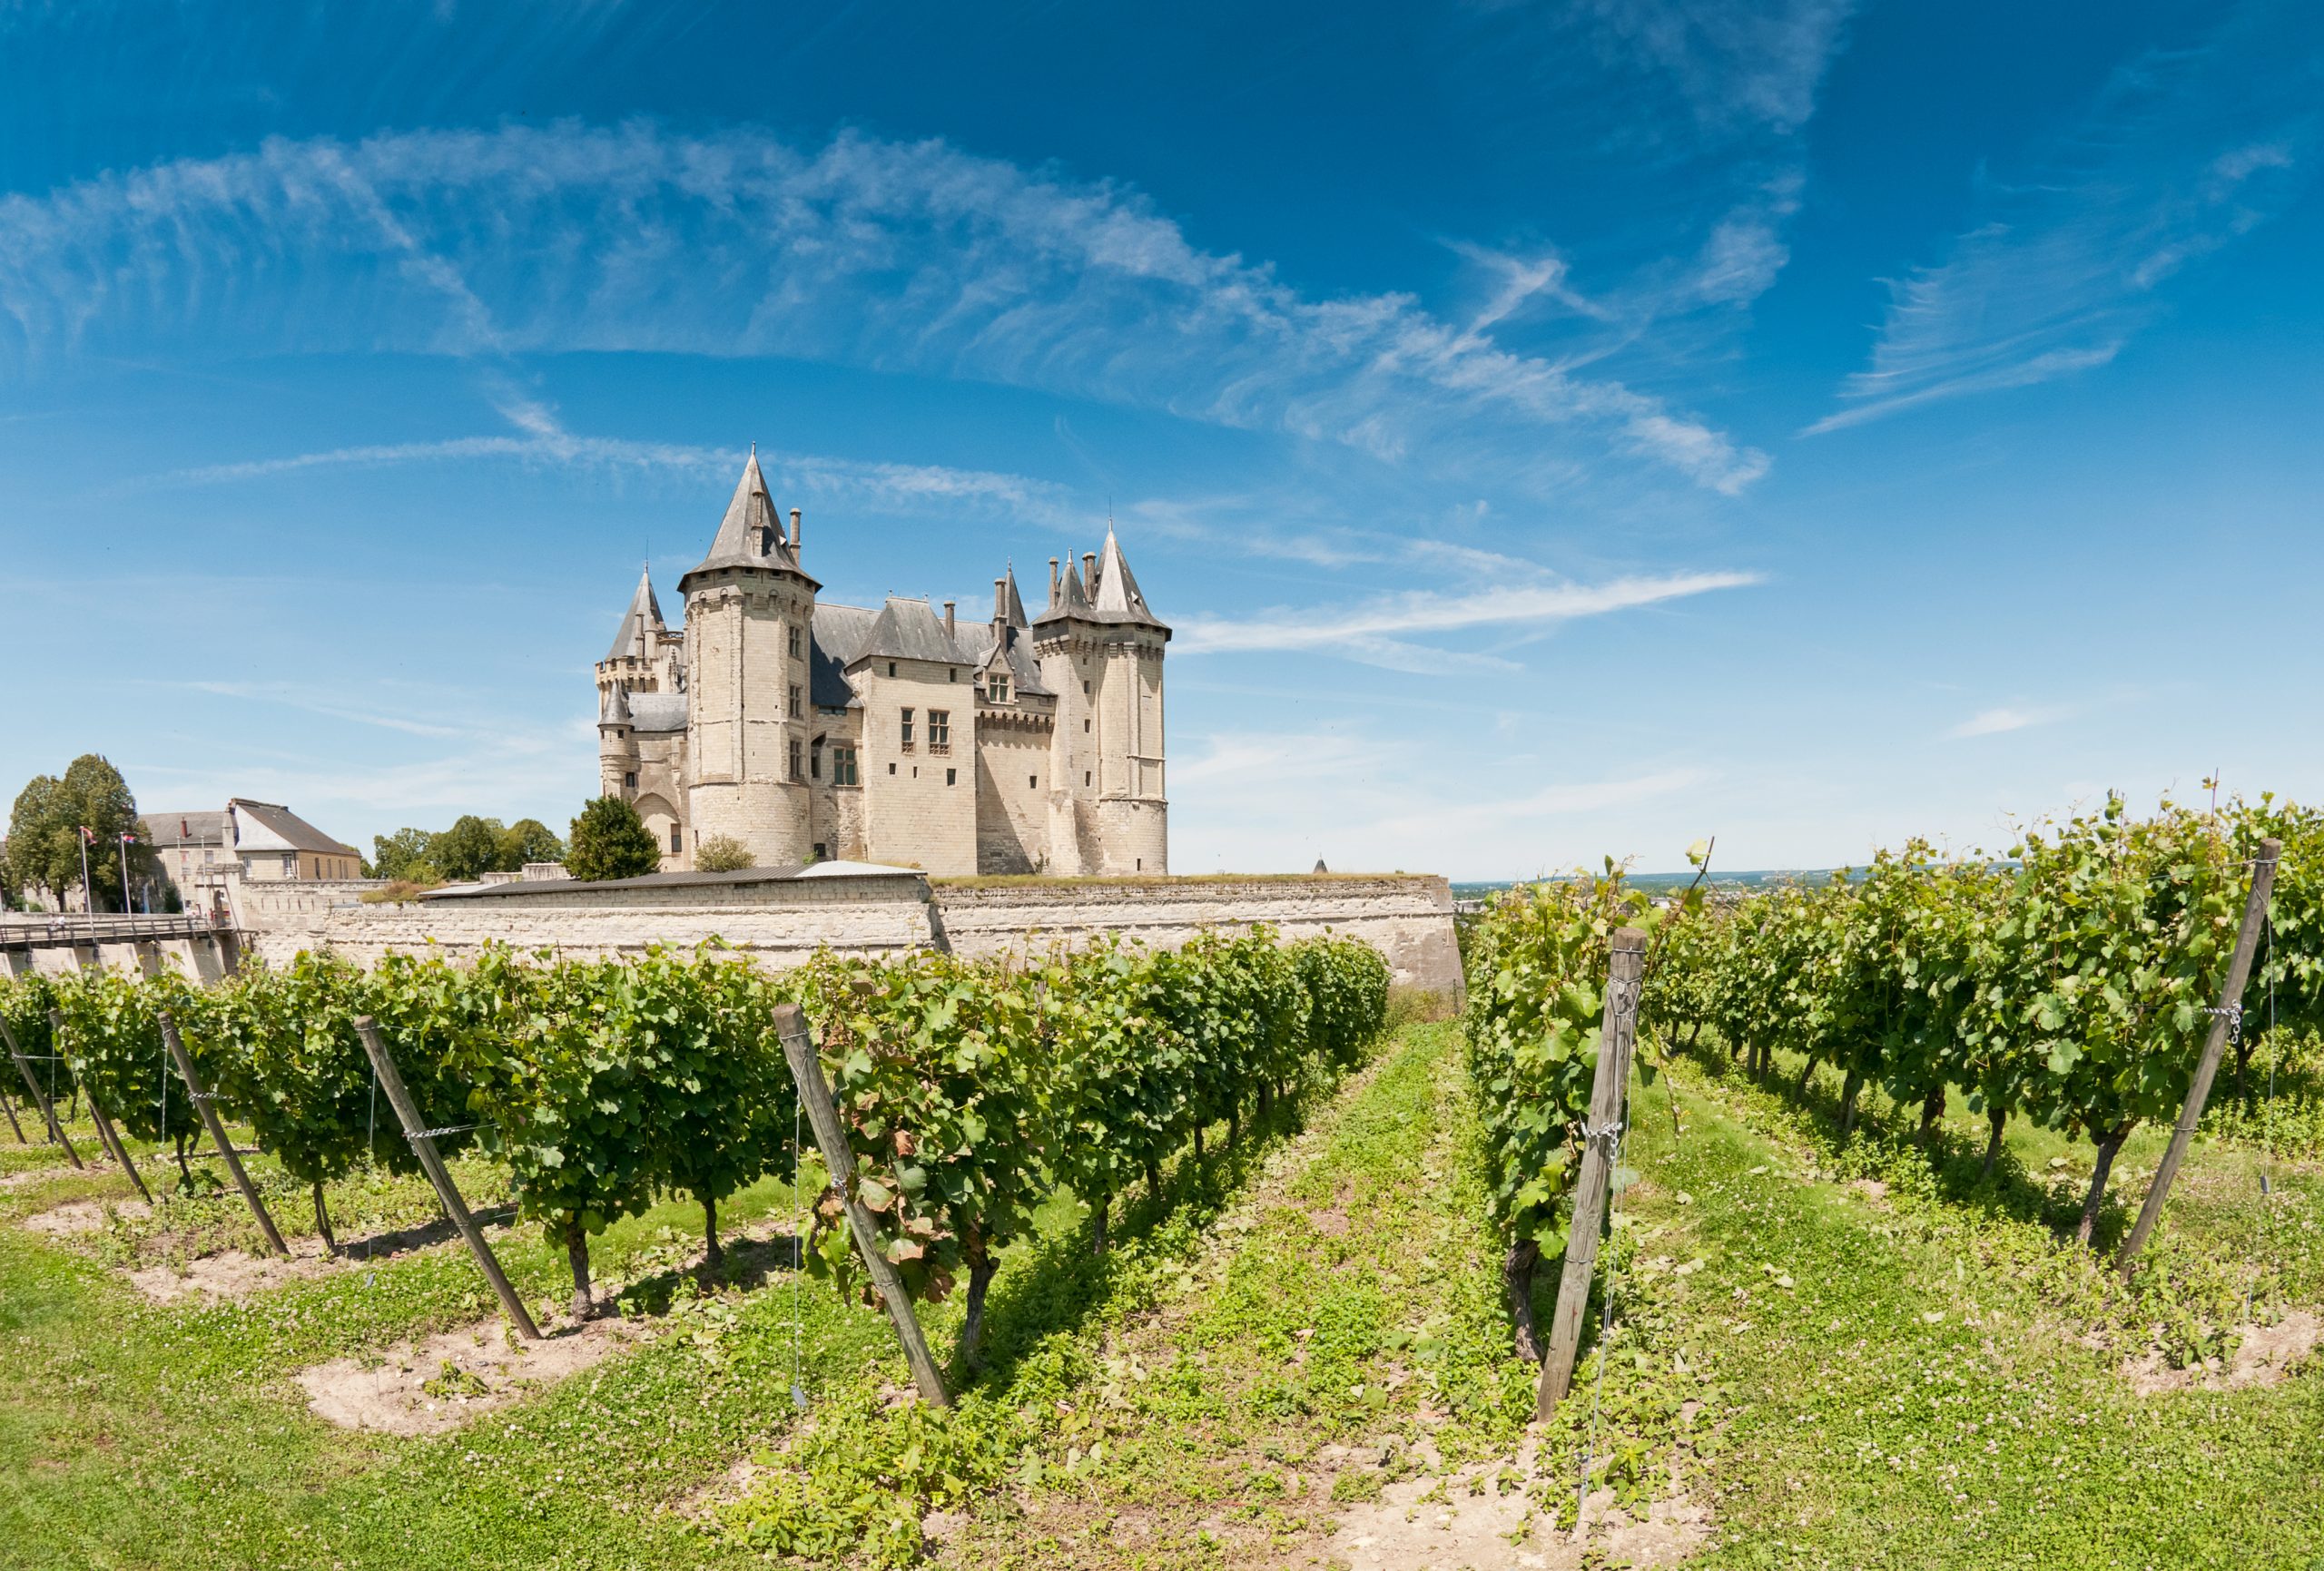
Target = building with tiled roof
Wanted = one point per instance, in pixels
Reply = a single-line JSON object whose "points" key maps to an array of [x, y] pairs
{"points": [[810, 731]]}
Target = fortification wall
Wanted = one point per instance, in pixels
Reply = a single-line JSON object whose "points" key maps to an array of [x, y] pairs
{"points": [[782, 922], [777, 923], [1408, 917]]}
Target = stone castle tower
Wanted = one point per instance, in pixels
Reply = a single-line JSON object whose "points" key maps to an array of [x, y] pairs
{"points": [[812, 731]]}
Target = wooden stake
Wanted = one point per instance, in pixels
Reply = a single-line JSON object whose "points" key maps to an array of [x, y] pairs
{"points": [[40, 1097], [2230, 1001], [203, 1104], [105, 1131], [423, 1146], [1607, 1089], [815, 1095]]}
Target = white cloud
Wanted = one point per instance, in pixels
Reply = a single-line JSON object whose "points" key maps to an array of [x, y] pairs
{"points": [[1735, 60], [1366, 632], [2177, 157], [2008, 717], [907, 257]]}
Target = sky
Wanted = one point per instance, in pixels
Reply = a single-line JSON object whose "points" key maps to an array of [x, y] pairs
{"points": [[1551, 431]]}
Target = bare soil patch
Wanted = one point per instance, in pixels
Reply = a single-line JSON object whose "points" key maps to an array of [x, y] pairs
{"points": [[440, 1382], [2264, 1356], [32, 1175], [83, 1216], [1480, 1518], [233, 1275]]}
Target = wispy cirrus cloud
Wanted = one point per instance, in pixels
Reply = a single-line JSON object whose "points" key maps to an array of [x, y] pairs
{"points": [[895, 256], [2005, 718], [1735, 61], [1377, 631], [2179, 155], [889, 486]]}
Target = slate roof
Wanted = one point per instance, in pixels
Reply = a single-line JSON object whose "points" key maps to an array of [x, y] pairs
{"points": [[1111, 596], [639, 622], [751, 534], [162, 830], [1025, 671], [294, 832], [909, 629], [657, 710]]}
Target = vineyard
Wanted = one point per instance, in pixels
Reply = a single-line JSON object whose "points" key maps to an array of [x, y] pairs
{"points": [[1224, 1259]]}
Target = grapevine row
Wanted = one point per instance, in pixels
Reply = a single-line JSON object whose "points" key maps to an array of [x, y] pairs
{"points": [[968, 1090]]}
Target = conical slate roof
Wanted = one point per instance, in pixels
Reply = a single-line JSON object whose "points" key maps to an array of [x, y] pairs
{"points": [[1111, 596], [616, 706], [639, 622], [751, 534], [1014, 613]]}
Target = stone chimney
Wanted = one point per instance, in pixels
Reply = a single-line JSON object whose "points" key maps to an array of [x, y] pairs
{"points": [[1000, 602], [1089, 574], [794, 532], [948, 618], [1052, 581]]}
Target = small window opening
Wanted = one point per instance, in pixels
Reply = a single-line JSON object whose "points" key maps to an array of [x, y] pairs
{"points": [[677, 839], [951, 777]]}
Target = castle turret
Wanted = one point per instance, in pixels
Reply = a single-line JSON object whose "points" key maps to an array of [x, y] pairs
{"points": [[1100, 647], [750, 608]]}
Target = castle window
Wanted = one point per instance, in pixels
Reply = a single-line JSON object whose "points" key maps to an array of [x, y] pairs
{"points": [[997, 688], [1084, 725], [795, 643], [677, 839], [906, 729], [891, 769], [630, 780], [892, 668], [952, 676], [939, 731], [1085, 777], [1032, 782], [794, 701], [844, 766], [821, 855], [797, 770], [1085, 690], [951, 777]]}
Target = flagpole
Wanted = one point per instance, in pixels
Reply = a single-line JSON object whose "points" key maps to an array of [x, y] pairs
{"points": [[88, 896]]}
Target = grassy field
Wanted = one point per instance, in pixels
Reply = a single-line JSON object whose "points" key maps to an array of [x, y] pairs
{"points": [[1296, 1356]]}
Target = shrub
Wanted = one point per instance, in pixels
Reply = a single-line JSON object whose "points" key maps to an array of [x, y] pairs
{"points": [[610, 841], [722, 854]]}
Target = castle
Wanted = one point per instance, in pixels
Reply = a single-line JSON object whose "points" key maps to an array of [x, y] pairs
{"points": [[809, 730]]}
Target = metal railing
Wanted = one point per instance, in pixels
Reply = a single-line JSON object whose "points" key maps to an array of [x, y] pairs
{"points": [[18, 929]]}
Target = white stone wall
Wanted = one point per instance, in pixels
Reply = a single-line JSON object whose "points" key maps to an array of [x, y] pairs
{"points": [[914, 813], [1409, 917], [1012, 790]]}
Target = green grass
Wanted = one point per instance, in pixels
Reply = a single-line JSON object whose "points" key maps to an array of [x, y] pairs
{"points": [[1924, 1376]]}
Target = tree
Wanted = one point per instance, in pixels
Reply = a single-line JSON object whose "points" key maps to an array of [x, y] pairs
{"points": [[722, 854], [529, 841], [45, 832], [609, 841], [468, 850], [402, 855]]}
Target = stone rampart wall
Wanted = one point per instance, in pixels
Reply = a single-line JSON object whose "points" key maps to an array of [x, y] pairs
{"points": [[781, 923], [1409, 917]]}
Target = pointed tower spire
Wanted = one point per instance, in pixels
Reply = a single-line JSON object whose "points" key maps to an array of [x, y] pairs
{"points": [[750, 534], [1115, 596], [1012, 604], [639, 622]]}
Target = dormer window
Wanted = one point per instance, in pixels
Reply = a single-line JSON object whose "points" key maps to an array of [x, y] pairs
{"points": [[995, 687]]}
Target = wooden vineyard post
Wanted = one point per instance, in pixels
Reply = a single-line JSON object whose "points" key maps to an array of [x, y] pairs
{"points": [[40, 1097], [2229, 1010], [423, 1146], [105, 1131], [1600, 1135], [815, 1095], [204, 1105]]}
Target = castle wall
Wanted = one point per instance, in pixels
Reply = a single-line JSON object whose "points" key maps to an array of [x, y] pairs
{"points": [[782, 922], [1407, 916], [920, 808], [1012, 800]]}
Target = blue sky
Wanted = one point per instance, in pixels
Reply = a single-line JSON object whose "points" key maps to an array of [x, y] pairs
{"points": [[1552, 430]]}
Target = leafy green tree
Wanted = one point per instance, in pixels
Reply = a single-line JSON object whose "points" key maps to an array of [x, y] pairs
{"points": [[722, 854], [610, 841], [401, 855], [45, 832], [468, 850], [529, 841]]}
